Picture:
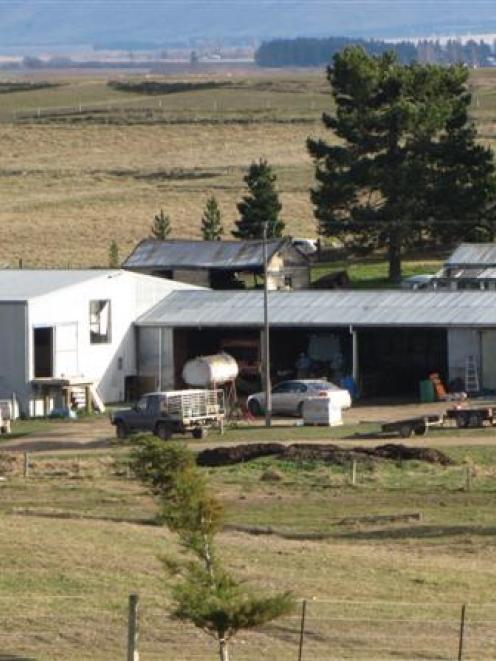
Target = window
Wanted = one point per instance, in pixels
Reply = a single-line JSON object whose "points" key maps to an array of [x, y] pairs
{"points": [[282, 388], [99, 322]]}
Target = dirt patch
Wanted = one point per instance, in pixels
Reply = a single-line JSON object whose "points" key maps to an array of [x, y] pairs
{"points": [[326, 453]]}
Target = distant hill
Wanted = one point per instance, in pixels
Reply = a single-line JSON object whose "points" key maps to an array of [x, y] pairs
{"points": [[51, 22]]}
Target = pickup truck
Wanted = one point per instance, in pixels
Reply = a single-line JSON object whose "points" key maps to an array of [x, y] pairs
{"points": [[172, 412]]}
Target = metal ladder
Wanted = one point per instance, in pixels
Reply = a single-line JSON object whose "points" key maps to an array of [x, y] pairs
{"points": [[471, 375]]}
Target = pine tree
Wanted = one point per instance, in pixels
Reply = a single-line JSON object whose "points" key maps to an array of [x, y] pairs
{"points": [[212, 229], [113, 255], [406, 163], [204, 593], [161, 227], [260, 206]]}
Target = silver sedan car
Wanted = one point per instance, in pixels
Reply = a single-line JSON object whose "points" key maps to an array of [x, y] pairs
{"points": [[288, 397]]}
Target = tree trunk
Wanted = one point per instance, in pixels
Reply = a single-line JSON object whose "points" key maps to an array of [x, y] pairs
{"points": [[394, 256], [223, 651]]}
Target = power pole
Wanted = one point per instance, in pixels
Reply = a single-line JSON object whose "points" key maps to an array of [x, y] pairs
{"points": [[268, 387]]}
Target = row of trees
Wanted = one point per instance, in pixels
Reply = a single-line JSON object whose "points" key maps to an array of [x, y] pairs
{"points": [[312, 52], [260, 205]]}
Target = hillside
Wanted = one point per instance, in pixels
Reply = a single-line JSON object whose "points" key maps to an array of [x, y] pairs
{"points": [[62, 22]]}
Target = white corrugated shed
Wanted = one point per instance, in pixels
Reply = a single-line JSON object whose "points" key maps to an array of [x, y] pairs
{"points": [[473, 254], [52, 312], [200, 308]]}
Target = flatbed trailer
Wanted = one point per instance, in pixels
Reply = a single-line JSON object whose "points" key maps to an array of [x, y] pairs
{"points": [[418, 426], [471, 417]]}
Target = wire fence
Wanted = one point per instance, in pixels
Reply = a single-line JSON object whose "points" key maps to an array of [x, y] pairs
{"points": [[79, 627]]}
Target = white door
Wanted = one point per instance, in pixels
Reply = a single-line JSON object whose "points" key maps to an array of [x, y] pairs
{"points": [[66, 350], [489, 359]]}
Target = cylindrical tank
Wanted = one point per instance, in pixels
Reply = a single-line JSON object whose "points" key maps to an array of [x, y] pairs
{"points": [[203, 371]]}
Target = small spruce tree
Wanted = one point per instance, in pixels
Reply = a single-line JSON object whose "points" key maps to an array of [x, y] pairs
{"points": [[204, 593], [260, 206], [113, 256], [212, 229], [161, 227]]}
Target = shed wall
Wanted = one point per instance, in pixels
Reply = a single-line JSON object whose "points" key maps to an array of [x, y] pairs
{"points": [[108, 364], [13, 350], [156, 358], [462, 342]]}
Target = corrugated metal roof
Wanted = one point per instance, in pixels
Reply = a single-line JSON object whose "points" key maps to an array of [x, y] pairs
{"points": [[483, 254], [24, 284], [174, 254], [325, 308]]}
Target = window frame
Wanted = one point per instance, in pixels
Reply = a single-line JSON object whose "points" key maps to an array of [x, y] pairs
{"points": [[95, 321]]}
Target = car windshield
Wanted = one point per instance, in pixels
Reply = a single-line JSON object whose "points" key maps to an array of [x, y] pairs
{"points": [[322, 385]]}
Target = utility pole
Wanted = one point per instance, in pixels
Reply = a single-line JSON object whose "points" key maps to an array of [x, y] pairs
{"points": [[268, 387]]}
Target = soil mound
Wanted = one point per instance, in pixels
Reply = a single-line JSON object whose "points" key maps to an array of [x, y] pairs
{"points": [[325, 452]]}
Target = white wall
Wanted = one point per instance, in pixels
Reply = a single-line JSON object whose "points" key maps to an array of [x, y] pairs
{"points": [[13, 350], [462, 342], [130, 294]]}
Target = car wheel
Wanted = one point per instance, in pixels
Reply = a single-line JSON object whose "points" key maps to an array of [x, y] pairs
{"points": [[299, 410], [254, 407], [121, 430], [200, 432], [164, 431]]}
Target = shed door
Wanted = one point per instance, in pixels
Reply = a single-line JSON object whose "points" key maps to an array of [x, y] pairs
{"points": [[489, 359], [66, 349]]}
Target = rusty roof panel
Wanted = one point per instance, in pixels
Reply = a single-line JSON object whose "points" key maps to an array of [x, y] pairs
{"points": [[177, 254]]}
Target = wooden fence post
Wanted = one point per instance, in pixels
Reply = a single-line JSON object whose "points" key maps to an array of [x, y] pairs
{"points": [[25, 470], [353, 472], [462, 631], [302, 628], [132, 629]]}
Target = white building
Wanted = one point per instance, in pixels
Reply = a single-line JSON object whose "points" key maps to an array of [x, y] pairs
{"points": [[67, 331]]}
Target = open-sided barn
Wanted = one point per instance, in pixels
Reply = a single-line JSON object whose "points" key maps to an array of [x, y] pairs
{"points": [[387, 340]]}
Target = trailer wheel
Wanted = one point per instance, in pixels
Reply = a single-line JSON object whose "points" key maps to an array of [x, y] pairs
{"points": [[406, 431], [421, 430], [163, 431], [121, 430], [475, 420], [200, 432]]}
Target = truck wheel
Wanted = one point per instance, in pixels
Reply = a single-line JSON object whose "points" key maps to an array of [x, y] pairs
{"points": [[200, 432], [121, 430], [254, 408], [406, 431], [163, 431], [421, 430]]}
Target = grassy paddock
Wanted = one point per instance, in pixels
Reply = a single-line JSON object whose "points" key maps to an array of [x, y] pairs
{"points": [[84, 163], [384, 590]]}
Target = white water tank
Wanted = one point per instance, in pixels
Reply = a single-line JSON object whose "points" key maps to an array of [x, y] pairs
{"points": [[204, 371]]}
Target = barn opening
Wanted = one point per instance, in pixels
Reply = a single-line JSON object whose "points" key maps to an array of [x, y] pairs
{"points": [[392, 361]]}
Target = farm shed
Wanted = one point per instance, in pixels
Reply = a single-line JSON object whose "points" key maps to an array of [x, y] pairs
{"points": [[388, 340], [470, 266], [70, 330], [221, 264]]}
